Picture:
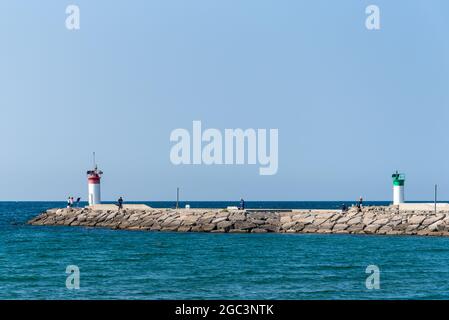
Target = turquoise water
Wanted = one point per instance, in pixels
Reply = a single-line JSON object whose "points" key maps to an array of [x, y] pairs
{"points": [[144, 265]]}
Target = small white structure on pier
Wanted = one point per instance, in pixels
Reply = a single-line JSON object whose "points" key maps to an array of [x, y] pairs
{"points": [[398, 188], [93, 180]]}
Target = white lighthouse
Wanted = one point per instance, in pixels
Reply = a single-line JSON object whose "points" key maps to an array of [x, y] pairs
{"points": [[93, 180], [398, 188]]}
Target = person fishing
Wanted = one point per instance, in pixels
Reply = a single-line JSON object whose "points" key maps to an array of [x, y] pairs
{"points": [[242, 204], [120, 203]]}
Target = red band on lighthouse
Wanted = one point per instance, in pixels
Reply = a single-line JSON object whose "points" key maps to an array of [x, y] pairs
{"points": [[94, 179]]}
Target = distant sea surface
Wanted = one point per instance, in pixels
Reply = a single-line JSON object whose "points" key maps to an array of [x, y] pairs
{"points": [[117, 264]]}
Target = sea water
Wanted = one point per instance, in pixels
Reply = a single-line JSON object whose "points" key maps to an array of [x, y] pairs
{"points": [[119, 264]]}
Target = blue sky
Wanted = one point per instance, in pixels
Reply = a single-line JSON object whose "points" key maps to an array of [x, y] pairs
{"points": [[351, 105]]}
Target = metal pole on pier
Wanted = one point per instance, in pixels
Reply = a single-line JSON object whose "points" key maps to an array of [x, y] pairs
{"points": [[435, 199]]}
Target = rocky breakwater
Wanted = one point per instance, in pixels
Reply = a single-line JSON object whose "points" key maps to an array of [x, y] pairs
{"points": [[370, 220]]}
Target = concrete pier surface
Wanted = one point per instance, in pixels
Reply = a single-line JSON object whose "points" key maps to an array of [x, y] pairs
{"points": [[388, 220]]}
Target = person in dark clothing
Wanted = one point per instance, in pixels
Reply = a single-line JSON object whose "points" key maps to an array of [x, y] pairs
{"points": [[78, 202], [242, 204], [120, 203], [344, 208]]}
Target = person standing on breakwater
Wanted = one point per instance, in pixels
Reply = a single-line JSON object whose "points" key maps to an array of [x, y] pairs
{"points": [[242, 204], [70, 202], [359, 204], [120, 203]]}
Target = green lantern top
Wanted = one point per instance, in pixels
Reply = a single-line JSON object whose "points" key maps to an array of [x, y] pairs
{"points": [[398, 179]]}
